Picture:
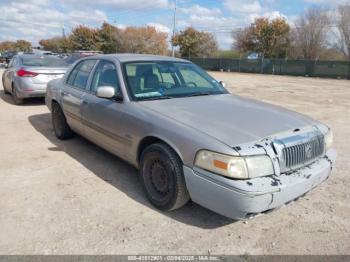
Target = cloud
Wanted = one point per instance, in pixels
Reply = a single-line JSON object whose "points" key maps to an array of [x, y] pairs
{"points": [[26, 20], [328, 2], [243, 6], [270, 15], [160, 27], [200, 11], [118, 4]]}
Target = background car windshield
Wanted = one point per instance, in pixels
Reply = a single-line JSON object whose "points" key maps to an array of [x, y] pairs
{"points": [[44, 61], [155, 80]]}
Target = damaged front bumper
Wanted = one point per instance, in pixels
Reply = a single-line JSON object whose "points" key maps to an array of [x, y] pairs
{"points": [[240, 199]]}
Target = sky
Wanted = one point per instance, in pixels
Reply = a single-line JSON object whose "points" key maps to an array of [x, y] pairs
{"points": [[33, 20]]}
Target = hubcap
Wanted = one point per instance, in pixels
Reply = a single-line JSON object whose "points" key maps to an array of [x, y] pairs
{"points": [[159, 177]]}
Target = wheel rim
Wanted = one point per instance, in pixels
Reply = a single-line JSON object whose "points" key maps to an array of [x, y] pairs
{"points": [[158, 179]]}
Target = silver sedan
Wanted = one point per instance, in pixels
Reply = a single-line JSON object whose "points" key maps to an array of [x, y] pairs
{"points": [[28, 75], [188, 136]]}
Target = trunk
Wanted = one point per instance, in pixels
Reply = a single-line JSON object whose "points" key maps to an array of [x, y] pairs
{"points": [[45, 74]]}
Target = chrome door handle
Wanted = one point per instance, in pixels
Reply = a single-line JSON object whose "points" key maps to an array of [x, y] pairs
{"points": [[84, 102]]}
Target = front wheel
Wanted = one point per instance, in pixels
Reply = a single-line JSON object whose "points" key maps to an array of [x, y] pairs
{"points": [[59, 122], [162, 177]]}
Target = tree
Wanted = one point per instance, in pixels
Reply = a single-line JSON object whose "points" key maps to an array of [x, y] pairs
{"points": [[57, 44], [310, 33], [6, 46], [84, 38], [22, 46], [344, 29], [267, 37], [195, 43], [146, 40], [107, 38], [19, 46]]}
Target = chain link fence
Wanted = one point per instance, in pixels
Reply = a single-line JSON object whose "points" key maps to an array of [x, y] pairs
{"points": [[312, 68]]}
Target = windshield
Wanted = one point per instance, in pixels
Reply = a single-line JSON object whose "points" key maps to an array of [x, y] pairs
{"points": [[159, 80], [44, 61]]}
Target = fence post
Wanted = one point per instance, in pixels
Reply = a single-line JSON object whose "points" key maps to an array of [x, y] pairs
{"points": [[349, 70], [239, 64]]}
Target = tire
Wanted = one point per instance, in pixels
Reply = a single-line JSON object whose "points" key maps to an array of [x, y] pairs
{"points": [[162, 177], [16, 99], [59, 123], [3, 87]]}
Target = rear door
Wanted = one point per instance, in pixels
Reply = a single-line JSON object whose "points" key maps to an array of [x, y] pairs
{"points": [[103, 118], [10, 73], [73, 93]]}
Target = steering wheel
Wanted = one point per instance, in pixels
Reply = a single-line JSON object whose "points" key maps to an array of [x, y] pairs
{"points": [[168, 85], [193, 84]]}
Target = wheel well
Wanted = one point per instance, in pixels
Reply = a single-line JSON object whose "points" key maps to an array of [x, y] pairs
{"points": [[53, 101], [147, 141]]}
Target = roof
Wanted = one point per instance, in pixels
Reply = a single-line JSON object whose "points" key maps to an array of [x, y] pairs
{"points": [[141, 57]]}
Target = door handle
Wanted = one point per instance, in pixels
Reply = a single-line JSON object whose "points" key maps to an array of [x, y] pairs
{"points": [[84, 102]]}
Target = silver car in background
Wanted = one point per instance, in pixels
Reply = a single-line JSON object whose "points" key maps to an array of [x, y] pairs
{"points": [[27, 75], [188, 136]]}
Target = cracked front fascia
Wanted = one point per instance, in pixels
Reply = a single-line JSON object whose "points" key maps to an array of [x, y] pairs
{"points": [[271, 184], [271, 144]]}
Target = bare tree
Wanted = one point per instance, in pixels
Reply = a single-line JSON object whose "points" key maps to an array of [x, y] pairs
{"points": [[311, 32], [344, 29]]}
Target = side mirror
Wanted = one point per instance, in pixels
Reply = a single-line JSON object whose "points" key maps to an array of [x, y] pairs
{"points": [[222, 83], [105, 92], [108, 92]]}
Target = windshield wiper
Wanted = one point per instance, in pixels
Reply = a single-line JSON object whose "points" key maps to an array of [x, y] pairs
{"points": [[200, 94], [157, 98]]}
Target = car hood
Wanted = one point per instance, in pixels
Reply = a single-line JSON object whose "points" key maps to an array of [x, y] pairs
{"points": [[229, 118]]}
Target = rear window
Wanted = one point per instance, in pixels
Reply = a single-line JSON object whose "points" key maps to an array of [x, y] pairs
{"points": [[44, 61]]}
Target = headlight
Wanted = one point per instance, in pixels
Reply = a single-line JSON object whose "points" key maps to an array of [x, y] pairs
{"points": [[234, 166], [328, 139]]}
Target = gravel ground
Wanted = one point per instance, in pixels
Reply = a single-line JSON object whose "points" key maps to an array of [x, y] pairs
{"points": [[74, 198]]}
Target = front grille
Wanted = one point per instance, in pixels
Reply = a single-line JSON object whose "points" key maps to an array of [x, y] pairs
{"points": [[301, 154]]}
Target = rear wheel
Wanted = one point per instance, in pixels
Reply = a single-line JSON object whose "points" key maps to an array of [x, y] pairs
{"points": [[59, 122], [17, 100], [3, 87], [162, 177]]}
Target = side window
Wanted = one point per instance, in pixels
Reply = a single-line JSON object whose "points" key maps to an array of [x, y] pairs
{"points": [[73, 74], [105, 75], [11, 62], [82, 75]]}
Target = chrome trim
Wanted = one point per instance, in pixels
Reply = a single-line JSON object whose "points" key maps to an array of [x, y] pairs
{"points": [[299, 150]]}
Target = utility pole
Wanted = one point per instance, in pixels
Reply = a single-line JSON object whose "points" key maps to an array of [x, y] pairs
{"points": [[63, 32], [174, 29]]}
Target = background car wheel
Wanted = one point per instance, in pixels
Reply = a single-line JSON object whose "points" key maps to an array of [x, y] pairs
{"points": [[59, 122], [3, 87], [16, 99], [162, 177]]}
